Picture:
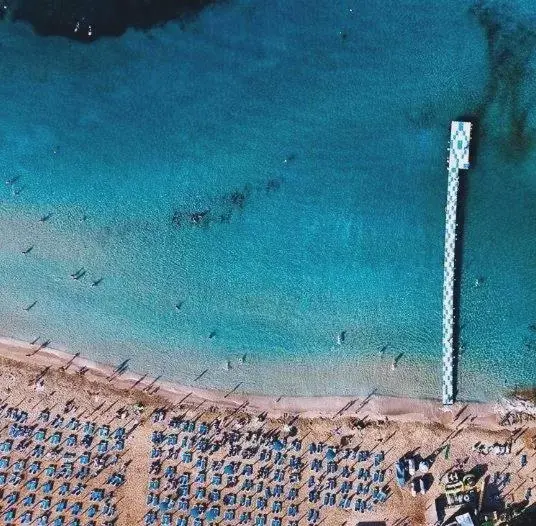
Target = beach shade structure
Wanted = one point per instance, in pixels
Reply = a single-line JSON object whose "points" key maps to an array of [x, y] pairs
{"points": [[64, 488], [29, 500], [73, 424], [34, 468], [104, 431], [197, 511], [32, 484], [12, 498], [400, 472], [120, 432], [278, 445], [9, 516], [19, 466], [5, 447], [229, 515], [48, 486], [26, 517], [97, 494], [58, 421], [213, 513], [214, 495], [245, 517], [15, 479], [153, 500], [78, 489], [44, 415], [154, 484]]}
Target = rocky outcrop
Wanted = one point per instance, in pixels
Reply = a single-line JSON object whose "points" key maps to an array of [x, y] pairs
{"points": [[87, 20]]}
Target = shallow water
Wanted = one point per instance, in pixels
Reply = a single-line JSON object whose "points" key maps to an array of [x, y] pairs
{"points": [[136, 134]]}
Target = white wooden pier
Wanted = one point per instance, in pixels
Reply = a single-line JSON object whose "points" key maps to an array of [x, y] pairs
{"points": [[460, 137]]}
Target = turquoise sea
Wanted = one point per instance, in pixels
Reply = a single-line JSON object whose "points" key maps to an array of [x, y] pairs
{"points": [[278, 170]]}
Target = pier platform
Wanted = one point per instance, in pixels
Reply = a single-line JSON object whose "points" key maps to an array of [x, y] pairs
{"points": [[460, 137]]}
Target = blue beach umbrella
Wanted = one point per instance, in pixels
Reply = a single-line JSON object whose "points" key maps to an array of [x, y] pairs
{"points": [[196, 512], [330, 454], [278, 445], [229, 469]]}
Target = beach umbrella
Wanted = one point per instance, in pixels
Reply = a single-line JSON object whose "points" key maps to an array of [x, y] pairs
{"points": [[229, 469], [330, 454], [211, 515], [196, 512], [278, 445]]}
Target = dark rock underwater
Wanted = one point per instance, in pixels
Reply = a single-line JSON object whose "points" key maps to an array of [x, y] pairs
{"points": [[87, 20]]}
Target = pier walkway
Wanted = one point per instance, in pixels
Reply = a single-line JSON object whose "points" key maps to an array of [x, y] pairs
{"points": [[460, 136]]}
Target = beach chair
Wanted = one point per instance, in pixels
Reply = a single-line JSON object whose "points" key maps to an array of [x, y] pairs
{"points": [[58, 421], [9, 516], [73, 424], [245, 517], [64, 488], [5, 447], [26, 517], [104, 431], [47, 487], [28, 500], [77, 490]]}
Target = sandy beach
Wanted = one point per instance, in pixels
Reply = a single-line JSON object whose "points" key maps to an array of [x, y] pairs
{"points": [[82, 390]]}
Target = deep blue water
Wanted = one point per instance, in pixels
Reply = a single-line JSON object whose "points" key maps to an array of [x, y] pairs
{"points": [[347, 234]]}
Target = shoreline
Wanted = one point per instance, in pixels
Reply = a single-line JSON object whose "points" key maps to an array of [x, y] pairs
{"points": [[375, 407]]}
